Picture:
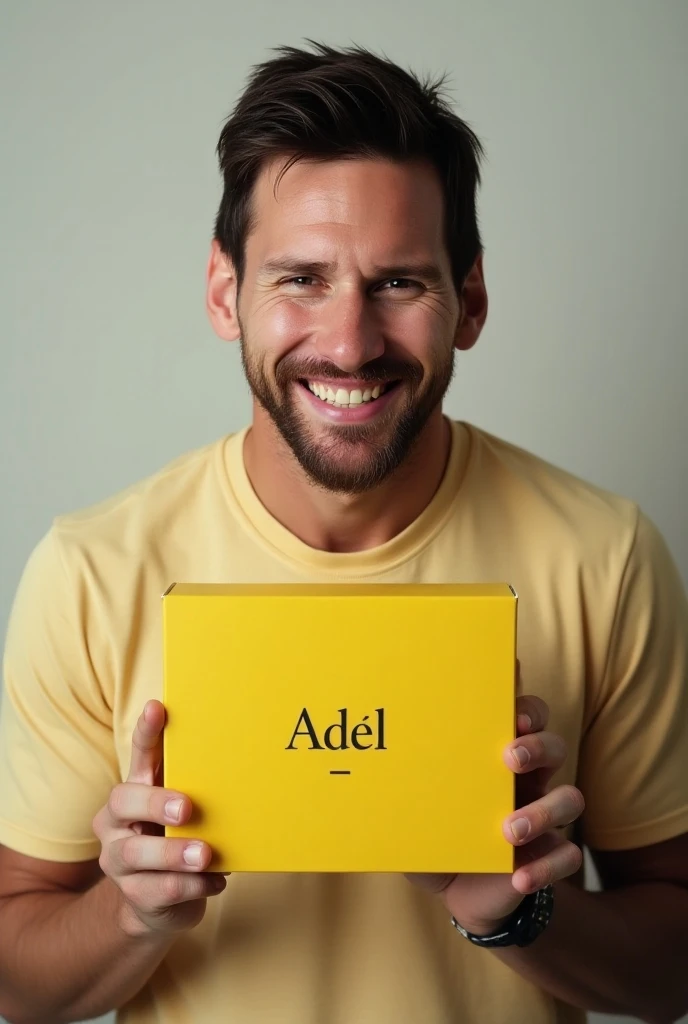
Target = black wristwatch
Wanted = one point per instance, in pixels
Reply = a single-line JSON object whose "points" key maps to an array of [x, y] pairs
{"points": [[529, 920]]}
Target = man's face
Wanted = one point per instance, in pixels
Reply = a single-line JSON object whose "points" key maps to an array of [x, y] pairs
{"points": [[348, 313]]}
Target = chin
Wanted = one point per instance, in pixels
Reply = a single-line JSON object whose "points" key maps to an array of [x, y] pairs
{"points": [[356, 473]]}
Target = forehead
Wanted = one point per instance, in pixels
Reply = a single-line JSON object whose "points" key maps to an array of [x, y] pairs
{"points": [[369, 202]]}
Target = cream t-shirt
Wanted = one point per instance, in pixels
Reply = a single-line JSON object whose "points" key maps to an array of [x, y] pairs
{"points": [[603, 639]]}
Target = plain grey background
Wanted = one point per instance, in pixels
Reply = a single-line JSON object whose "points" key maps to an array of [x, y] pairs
{"points": [[111, 113]]}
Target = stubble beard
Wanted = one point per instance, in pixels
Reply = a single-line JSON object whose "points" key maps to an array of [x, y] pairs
{"points": [[349, 458]]}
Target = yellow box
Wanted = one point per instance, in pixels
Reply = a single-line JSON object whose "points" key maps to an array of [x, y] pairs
{"points": [[342, 728]]}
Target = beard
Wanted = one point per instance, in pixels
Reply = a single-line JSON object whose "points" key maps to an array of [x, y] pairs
{"points": [[349, 458]]}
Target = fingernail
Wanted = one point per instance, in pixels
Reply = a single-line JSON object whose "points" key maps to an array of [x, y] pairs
{"points": [[173, 809], [520, 756], [528, 722], [520, 828], [192, 854]]}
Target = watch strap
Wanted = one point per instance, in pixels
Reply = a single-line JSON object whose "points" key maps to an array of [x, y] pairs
{"points": [[527, 922]]}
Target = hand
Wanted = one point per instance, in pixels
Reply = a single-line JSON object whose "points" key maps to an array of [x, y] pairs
{"points": [[482, 902], [162, 881]]}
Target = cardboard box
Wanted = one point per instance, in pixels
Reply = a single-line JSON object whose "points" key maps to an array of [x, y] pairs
{"points": [[342, 728]]}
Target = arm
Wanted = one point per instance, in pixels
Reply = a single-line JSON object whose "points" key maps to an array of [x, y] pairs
{"points": [[79, 940], [625, 949], [63, 953], [622, 950]]}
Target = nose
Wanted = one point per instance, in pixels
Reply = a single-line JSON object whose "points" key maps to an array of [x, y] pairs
{"points": [[348, 333]]}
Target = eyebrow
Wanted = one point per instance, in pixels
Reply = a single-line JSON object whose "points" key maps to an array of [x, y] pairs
{"points": [[423, 269]]}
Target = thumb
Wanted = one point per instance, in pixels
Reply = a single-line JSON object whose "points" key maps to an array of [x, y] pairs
{"points": [[146, 744]]}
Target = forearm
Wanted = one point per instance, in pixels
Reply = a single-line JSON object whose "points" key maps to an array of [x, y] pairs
{"points": [[65, 957], [620, 951]]}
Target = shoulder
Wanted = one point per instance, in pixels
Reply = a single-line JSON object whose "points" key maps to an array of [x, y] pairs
{"points": [[548, 505], [147, 511], [95, 575]]}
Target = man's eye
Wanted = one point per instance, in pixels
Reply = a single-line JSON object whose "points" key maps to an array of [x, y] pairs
{"points": [[301, 282], [399, 284]]}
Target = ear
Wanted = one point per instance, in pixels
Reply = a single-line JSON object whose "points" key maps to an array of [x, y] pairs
{"points": [[221, 294], [473, 307]]}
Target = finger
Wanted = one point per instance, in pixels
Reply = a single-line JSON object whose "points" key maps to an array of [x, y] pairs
{"points": [[561, 860], [130, 803], [532, 714], [156, 853], [556, 809], [537, 750], [146, 744], [153, 892], [540, 847]]}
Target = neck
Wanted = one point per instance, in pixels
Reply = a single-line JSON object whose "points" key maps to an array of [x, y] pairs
{"points": [[344, 522]]}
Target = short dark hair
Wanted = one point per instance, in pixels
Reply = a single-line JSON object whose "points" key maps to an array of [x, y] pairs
{"points": [[334, 104]]}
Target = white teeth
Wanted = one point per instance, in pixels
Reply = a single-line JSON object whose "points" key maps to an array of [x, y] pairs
{"points": [[343, 398]]}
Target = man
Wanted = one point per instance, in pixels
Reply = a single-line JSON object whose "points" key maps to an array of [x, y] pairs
{"points": [[348, 261]]}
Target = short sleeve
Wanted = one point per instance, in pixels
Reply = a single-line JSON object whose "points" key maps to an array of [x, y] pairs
{"points": [[633, 765], [57, 754]]}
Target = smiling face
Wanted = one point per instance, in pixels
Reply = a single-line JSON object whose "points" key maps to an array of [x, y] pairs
{"points": [[348, 313]]}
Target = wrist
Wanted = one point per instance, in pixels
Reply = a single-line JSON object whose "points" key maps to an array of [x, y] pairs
{"points": [[521, 928], [480, 925], [142, 935], [130, 924], [483, 928], [128, 921]]}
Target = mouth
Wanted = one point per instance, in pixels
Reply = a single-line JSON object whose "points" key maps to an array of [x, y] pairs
{"points": [[351, 397]]}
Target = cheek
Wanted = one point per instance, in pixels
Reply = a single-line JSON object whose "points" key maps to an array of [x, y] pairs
{"points": [[418, 333], [411, 330], [280, 325]]}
